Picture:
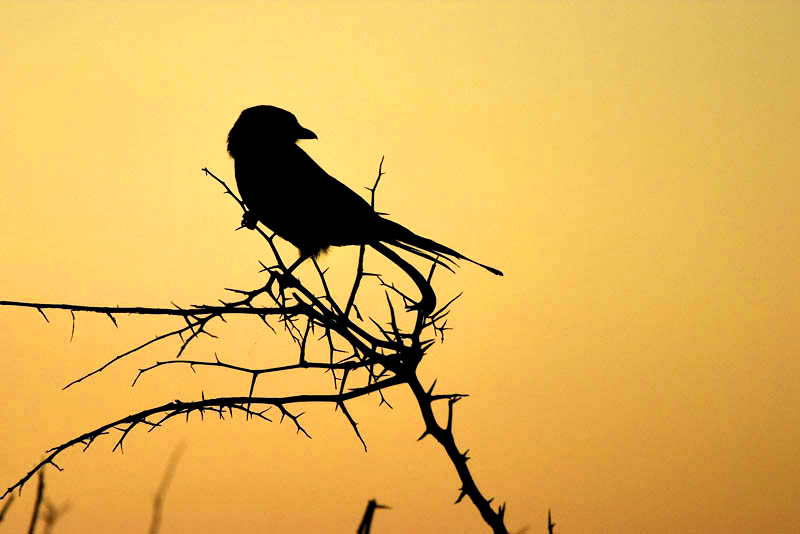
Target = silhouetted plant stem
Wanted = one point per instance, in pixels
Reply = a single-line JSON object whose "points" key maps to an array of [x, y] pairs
{"points": [[5, 507], [366, 521], [51, 515], [38, 504], [161, 493], [444, 435]]}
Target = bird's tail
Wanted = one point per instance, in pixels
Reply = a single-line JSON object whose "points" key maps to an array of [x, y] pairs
{"points": [[400, 236]]}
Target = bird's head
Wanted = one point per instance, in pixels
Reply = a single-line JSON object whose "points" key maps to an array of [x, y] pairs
{"points": [[265, 126]]}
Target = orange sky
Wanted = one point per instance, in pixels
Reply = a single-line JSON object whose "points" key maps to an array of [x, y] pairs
{"points": [[631, 166]]}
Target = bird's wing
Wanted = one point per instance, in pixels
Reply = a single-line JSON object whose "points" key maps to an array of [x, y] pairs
{"points": [[340, 215]]}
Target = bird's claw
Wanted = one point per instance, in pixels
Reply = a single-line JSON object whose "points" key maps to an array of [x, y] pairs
{"points": [[249, 220]]}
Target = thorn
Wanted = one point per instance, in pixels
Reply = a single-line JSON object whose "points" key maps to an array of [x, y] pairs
{"points": [[43, 315], [426, 345], [432, 386]]}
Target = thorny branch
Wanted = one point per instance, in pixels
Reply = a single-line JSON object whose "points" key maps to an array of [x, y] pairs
{"points": [[383, 357], [154, 418]]}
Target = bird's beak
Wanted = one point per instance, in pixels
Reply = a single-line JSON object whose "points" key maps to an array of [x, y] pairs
{"points": [[304, 133]]}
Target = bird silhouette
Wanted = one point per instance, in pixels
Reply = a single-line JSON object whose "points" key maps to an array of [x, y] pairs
{"points": [[283, 188]]}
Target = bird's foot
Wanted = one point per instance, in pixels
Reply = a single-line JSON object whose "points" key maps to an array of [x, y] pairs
{"points": [[249, 220]]}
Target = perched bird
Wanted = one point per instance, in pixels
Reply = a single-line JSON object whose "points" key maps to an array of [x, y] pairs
{"points": [[287, 191]]}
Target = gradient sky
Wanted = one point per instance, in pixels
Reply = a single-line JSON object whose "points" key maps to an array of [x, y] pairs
{"points": [[631, 166]]}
